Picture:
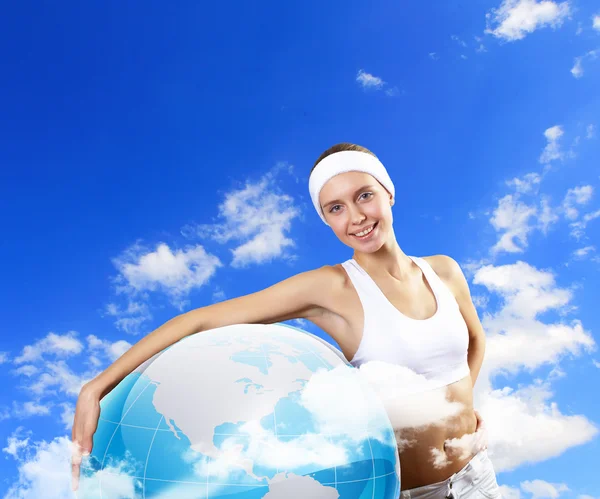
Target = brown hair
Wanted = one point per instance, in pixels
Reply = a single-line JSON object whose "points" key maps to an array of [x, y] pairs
{"points": [[342, 146]]}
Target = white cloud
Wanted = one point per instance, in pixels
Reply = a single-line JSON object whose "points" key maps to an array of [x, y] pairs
{"points": [[131, 318], [218, 295], [406, 396], [32, 409], [577, 69], [481, 47], [53, 344], [552, 150], [577, 195], [110, 350], [524, 424], [515, 219], [174, 272], [524, 293], [540, 489], [580, 195], [434, 56], [512, 218], [15, 443], [509, 492], [578, 227], [546, 216], [26, 370], [596, 22], [596, 363], [264, 449], [47, 381], [59, 375], [590, 131], [555, 342], [455, 38], [479, 301], [520, 282], [67, 415], [371, 82], [44, 469], [259, 217], [583, 252], [529, 183], [588, 217], [514, 19], [368, 80], [3, 357], [131, 325]]}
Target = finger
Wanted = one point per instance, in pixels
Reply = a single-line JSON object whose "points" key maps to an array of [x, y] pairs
{"points": [[75, 476], [76, 469], [77, 453]]}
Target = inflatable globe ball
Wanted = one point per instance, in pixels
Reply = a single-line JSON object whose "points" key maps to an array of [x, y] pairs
{"points": [[243, 412]]}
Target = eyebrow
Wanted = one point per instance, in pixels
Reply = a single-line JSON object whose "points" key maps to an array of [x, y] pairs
{"points": [[355, 193]]}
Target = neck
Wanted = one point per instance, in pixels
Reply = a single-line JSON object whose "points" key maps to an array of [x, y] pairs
{"points": [[389, 260]]}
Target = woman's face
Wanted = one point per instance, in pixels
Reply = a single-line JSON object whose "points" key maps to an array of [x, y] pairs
{"points": [[354, 202]]}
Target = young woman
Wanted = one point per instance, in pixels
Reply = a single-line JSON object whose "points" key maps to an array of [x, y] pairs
{"points": [[379, 305]]}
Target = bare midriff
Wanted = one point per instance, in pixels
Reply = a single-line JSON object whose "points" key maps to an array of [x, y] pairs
{"points": [[420, 464]]}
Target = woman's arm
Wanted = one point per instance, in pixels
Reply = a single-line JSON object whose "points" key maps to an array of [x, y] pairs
{"points": [[469, 313], [300, 296], [448, 269], [295, 297]]}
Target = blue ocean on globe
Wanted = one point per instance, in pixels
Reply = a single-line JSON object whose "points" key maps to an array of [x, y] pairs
{"points": [[243, 412]]}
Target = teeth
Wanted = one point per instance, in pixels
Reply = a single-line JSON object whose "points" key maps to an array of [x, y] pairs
{"points": [[364, 233]]}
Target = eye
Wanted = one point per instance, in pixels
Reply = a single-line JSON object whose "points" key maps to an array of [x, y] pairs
{"points": [[370, 193], [334, 206]]}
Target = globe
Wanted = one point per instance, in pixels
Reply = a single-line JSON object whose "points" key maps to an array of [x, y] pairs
{"points": [[243, 412]]}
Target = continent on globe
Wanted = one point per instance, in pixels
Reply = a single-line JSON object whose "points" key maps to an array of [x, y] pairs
{"points": [[289, 486]]}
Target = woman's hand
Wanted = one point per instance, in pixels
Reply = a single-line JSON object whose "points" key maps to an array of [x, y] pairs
{"points": [[87, 412]]}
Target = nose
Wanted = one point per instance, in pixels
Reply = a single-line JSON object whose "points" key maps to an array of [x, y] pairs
{"points": [[357, 216]]}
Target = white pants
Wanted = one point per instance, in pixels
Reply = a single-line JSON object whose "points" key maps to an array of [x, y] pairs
{"points": [[477, 480]]}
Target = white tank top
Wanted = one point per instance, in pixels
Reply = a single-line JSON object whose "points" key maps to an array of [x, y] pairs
{"points": [[435, 348]]}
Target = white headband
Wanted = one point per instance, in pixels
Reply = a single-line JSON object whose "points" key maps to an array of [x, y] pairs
{"points": [[342, 162]]}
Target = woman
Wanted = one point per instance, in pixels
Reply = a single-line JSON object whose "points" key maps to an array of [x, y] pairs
{"points": [[380, 305]]}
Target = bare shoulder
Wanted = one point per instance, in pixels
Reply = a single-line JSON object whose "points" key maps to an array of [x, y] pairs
{"points": [[444, 266], [331, 279], [449, 271]]}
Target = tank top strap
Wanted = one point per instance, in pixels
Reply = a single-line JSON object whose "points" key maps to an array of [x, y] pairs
{"points": [[355, 273], [439, 288]]}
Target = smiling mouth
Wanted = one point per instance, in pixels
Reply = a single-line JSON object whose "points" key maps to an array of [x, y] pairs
{"points": [[370, 229]]}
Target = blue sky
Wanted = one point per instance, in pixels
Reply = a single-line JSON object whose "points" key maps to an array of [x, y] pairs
{"points": [[155, 158]]}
